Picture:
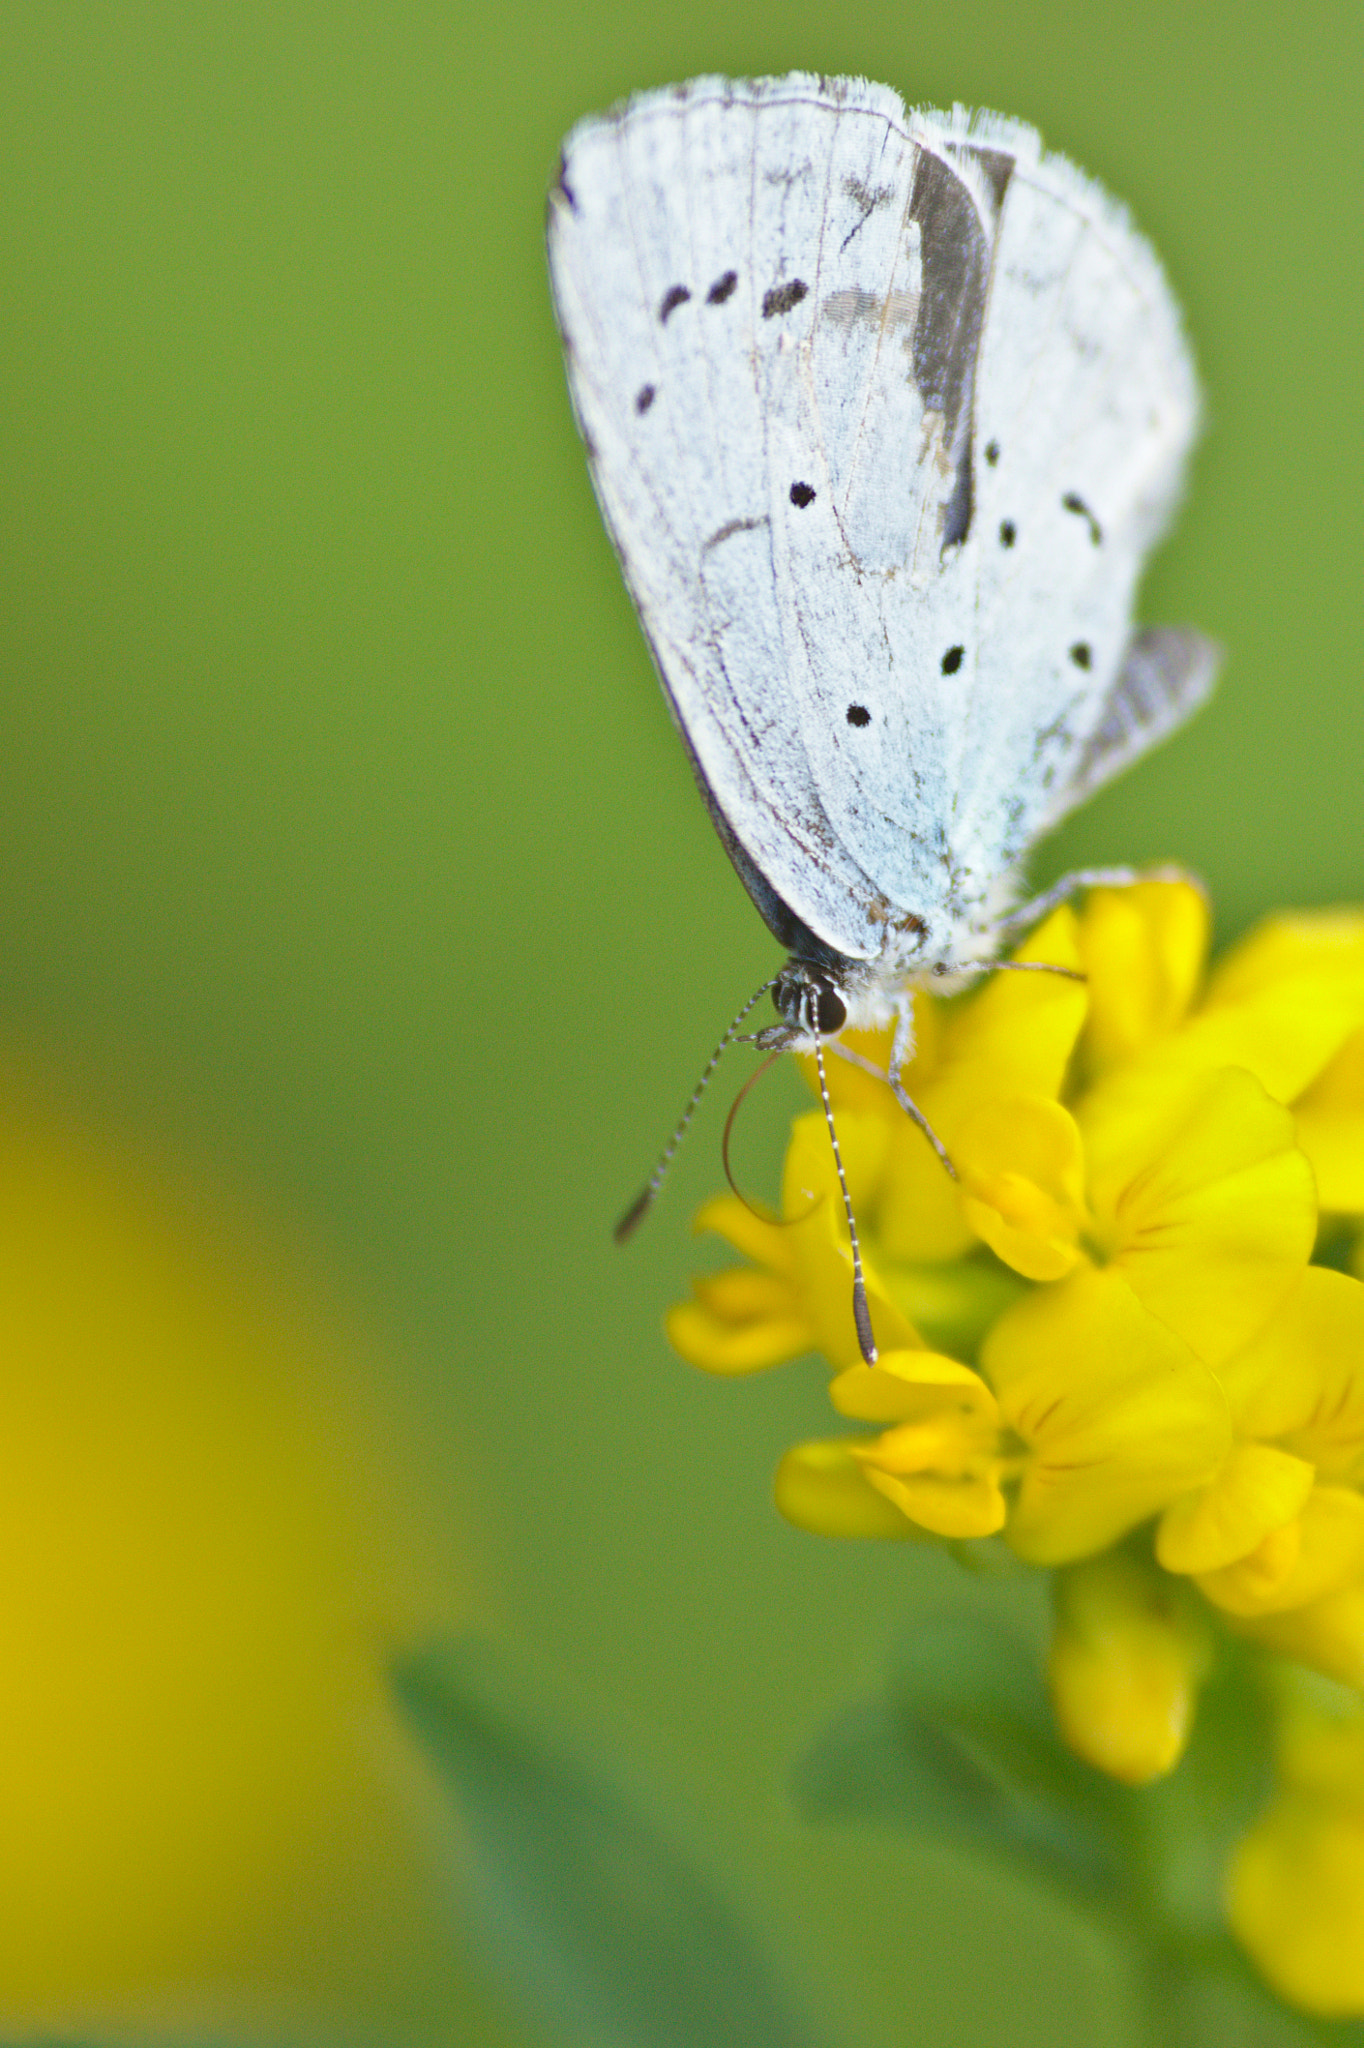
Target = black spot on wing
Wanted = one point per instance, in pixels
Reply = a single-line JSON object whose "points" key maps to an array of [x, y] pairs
{"points": [[1008, 533], [645, 397], [675, 296], [952, 660], [1073, 502], [992, 452], [783, 297], [802, 495], [722, 288], [1082, 654], [858, 714]]}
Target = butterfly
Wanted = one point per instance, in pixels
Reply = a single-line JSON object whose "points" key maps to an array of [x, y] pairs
{"points": [[884, 410]]}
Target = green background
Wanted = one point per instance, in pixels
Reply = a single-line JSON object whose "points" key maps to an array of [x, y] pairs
{"points": [[347, 852]]}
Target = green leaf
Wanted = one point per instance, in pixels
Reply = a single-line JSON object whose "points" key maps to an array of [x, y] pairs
{"points": [[600, 1921], [960, 1746]]}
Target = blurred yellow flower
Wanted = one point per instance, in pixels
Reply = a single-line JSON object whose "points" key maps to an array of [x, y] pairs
{"points": [[1295, 1889], [1109, 1323], [1128, 1654], [202, 1559]]}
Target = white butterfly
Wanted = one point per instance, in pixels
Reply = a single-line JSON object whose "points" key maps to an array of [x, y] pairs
{"points": [[883, 410]]}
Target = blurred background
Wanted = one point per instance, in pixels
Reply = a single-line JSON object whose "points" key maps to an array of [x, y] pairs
{"points": [[361, 934]]}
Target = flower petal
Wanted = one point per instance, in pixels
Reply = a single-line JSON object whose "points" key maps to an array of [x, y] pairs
{"points": [[743, 1320], [817, 1235], [954, 1506], [1120, 1415], [1281, 1004], [1328, 1552], [1300, 1380], [1327, 1635], [1127, 1659], [1296, 1903], [1257, 1489], [1017, 1035], [939, 1461], [821, 1486], [904, 1385], [1329, 942], [1143, 951], [919, 1218], [1022, 1183], [1205, 1200], [1331, 1129], [764, 1240]]}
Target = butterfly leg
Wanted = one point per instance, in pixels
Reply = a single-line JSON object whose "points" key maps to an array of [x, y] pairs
{"points": [[1029, 914], [897, 1088], [901, 1049]]}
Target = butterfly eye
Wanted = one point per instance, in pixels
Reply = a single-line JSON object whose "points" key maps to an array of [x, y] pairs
{"points": [[830, 1010]]}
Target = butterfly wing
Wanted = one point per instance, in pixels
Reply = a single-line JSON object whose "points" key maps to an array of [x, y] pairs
{"points": [[813, 347], [1087, 406], [686, 240]]}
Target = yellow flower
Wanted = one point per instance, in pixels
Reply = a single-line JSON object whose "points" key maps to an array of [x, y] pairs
{"points": [[202, 1541], [1287, 1005], [1295, 1890], [1108, 1320], [1281, 1524], [1128, 1656]]}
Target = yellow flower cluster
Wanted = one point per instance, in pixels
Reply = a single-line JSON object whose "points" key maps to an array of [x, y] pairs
{"points": [[1107, 1341]]}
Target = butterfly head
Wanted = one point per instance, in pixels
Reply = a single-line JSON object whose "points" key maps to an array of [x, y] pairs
{"points": [[810, 999]]}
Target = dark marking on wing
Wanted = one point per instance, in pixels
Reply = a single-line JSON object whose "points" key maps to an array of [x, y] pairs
{"points": [[802, 495], [866, 200], [675, 296], [783, 297], [1008, 533], [1082, 654], [722, 288], [645, 397], [956, 254], [992, 452], [868, 197], [854, 307], [997, 166], [1073, 502], [858, 714], [952, 660], [730, 528]]}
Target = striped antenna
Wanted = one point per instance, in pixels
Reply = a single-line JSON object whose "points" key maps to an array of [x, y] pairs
{"points": [[644, 1201], [866, 1336]]}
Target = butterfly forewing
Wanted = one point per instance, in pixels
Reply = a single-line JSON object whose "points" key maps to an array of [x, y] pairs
{"points": [[667, 373]]}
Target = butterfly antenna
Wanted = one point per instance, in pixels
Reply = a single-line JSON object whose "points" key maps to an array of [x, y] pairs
{"points": [[644, 1201], [866, 1337]]}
